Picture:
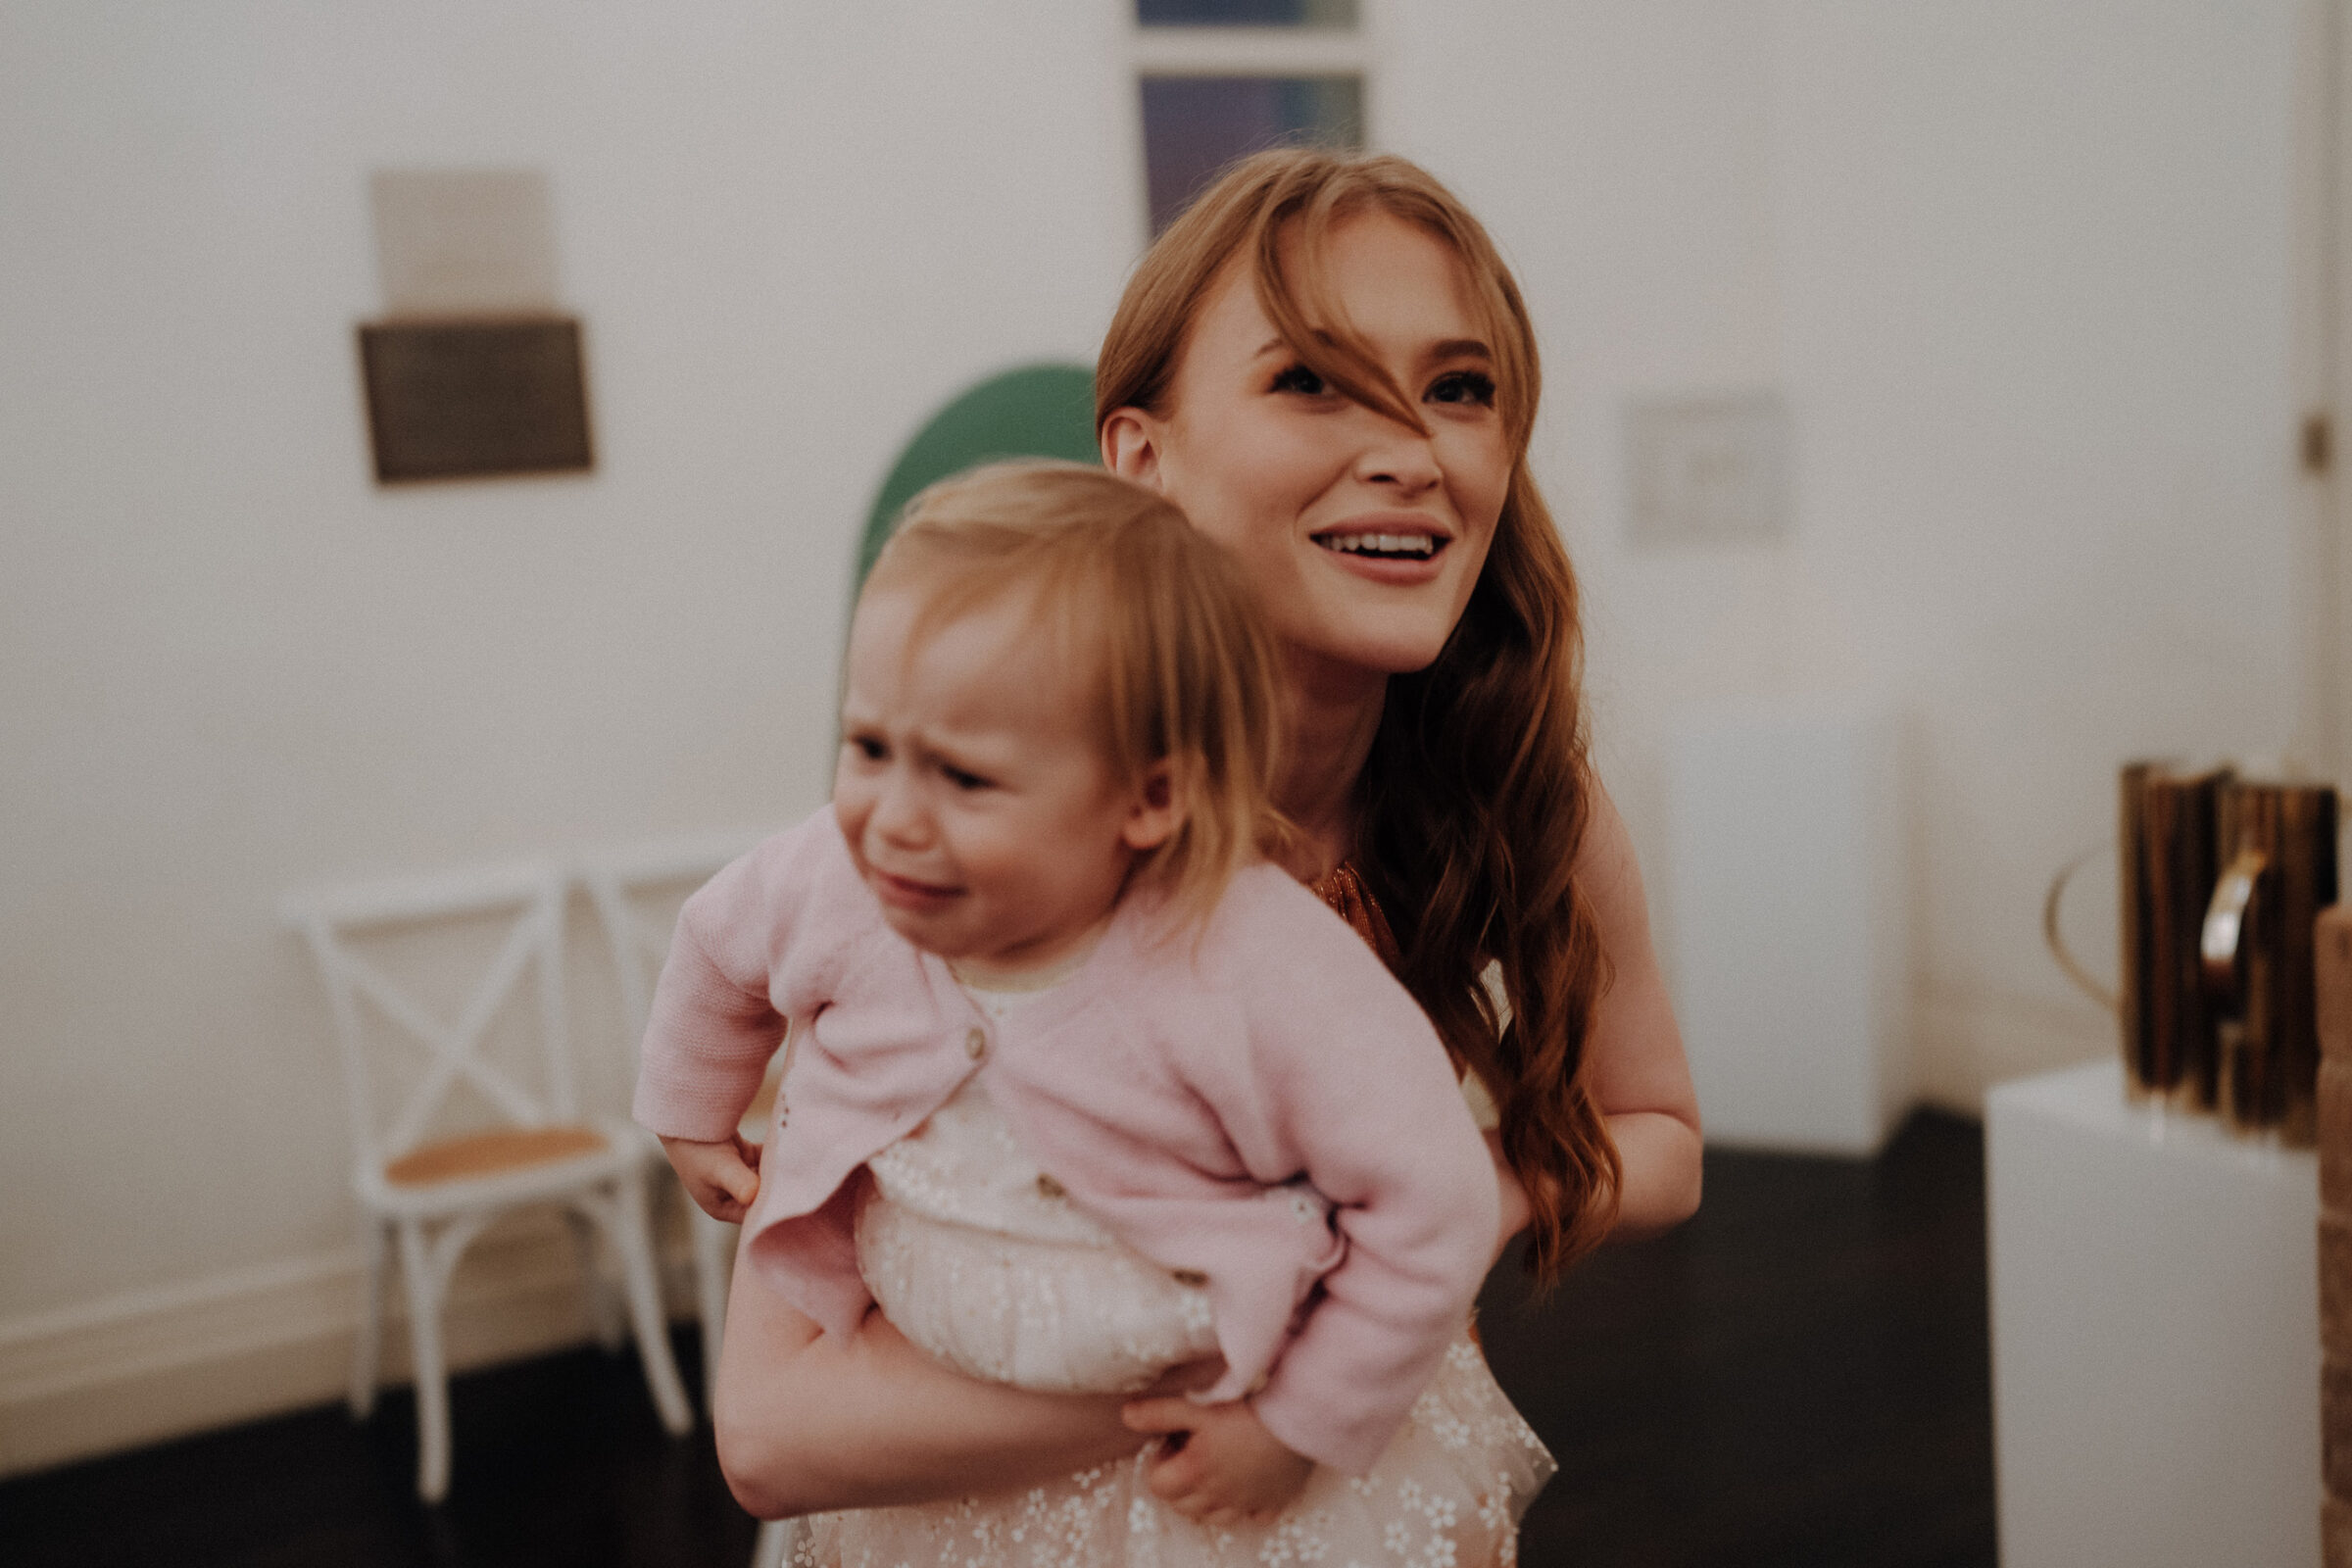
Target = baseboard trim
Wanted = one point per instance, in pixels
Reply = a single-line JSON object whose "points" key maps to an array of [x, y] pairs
{"points": [[152, 1364]]}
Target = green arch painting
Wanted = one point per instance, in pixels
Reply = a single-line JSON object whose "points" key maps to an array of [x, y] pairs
{"points": [[1037, 411]]}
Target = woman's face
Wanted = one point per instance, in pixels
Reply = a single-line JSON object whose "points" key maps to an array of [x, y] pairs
{"points": [[1362, 536]]}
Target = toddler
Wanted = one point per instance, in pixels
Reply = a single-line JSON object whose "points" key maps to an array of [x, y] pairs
{"points": [[1078, 1087]]}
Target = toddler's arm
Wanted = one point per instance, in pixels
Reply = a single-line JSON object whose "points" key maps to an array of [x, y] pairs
{"points": [[751, 947], [1342, 1078]]}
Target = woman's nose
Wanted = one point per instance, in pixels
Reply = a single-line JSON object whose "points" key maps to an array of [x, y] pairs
{"points": [[1402, 458]]}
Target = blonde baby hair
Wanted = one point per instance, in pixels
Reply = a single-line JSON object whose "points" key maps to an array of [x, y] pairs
{"points": [[1183, 668]]}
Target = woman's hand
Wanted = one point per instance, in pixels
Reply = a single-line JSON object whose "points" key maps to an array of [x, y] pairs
{"points": [[808, 1422]]}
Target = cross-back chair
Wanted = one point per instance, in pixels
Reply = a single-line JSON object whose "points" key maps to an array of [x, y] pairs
{"points": [[432, 1190], [621, 882]]}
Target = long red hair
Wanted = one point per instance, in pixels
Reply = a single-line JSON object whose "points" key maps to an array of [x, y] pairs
{"points": [[1476, 796]]}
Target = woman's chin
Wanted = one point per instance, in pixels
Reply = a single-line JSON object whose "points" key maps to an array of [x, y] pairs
{"points": [[1373, 652], [1380, 629]]}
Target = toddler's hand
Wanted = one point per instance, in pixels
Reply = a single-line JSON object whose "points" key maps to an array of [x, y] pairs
{"points": [[1226, 1467], [723, 1178]]}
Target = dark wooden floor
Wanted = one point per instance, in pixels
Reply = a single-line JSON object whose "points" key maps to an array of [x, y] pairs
{"points": [[1798, 1376], [1801, 1375]]}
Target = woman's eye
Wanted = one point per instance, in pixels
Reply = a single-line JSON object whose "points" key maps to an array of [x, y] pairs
{"points": [[1463, 386], [961, 779], [1301, 380], [867, 747]]}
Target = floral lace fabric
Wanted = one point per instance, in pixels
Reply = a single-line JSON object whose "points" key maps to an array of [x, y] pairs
{"points": [[977, 1256], [990, 1269], [995, 1273], [1448, 1492]]}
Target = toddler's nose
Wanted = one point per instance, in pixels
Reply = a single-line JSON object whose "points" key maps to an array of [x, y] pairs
{"points": [[899, 815]]}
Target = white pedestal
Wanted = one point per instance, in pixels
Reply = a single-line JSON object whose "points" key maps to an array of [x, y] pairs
{"points": [[1786, 925], [2155, 1334]]}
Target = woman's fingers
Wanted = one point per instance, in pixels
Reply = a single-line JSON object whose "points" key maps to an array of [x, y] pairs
{"points": [[1161, 1415], [1186, 1378]]}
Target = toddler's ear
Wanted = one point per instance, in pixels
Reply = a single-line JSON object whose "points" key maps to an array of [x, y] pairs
{"points": [[1156, 810]]}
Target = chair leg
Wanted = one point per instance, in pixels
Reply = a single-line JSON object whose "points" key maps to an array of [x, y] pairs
{"points": [[367, 1351], [773, 1549], [604, 1313], [432, 1375], [634, 1241], [713, 1241]]}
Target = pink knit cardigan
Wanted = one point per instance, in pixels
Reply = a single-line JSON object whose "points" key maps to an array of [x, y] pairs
{"points": [[1255, 1100]]}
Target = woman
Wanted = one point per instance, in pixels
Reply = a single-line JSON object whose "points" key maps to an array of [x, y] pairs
{"points": [[1326, 366]]}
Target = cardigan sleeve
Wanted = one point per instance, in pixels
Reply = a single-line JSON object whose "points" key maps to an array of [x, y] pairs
{"points": [[752, 949], [1345, 1082]]}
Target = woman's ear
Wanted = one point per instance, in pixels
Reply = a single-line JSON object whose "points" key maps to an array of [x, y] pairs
{"points": [[1155, 811], [1131, 440]]}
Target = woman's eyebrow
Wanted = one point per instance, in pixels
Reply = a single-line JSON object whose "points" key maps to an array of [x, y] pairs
{"points": [[1456, 347]]}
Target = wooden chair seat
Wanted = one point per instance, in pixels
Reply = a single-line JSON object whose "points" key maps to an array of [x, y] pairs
{"points": [[492, 1152]]}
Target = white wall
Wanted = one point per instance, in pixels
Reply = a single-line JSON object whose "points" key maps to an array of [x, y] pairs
{"points": [[2021, 270], [2024, 272], [229, 665]]}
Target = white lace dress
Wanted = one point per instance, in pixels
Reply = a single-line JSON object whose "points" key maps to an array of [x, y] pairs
{"points": [[977, 1257]]}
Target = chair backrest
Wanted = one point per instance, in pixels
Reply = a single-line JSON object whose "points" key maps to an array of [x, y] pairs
{"points": [[620, 880], [524, 904]]}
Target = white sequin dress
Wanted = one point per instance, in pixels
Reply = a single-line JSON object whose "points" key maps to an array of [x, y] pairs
{"points": [[978, 1258]]}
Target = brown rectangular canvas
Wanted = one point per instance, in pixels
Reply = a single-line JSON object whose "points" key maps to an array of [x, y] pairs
{"points": [[472, 398]]}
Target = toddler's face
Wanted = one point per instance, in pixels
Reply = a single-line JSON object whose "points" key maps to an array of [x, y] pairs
{"points": [[973, 789]]}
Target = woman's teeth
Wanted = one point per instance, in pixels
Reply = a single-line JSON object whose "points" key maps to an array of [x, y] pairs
{"points": [[1380, 544]]}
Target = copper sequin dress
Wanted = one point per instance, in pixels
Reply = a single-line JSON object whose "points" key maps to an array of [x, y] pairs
{"points": [[979, 1260]]}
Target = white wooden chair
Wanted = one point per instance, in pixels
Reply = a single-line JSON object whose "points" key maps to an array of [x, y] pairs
{"points": [[622, 883], [435, 1189]]}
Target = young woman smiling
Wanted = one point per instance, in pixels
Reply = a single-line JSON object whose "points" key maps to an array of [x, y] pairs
{"points": [[1327, 366]]}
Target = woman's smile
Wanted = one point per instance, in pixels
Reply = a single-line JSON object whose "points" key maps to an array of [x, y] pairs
{"points": [[1404, 550]]}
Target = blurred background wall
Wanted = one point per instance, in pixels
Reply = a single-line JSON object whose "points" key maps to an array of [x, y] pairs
{"points": [[2028, 277]]}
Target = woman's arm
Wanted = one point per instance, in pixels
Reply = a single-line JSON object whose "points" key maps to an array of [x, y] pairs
{"points": [[806, 1422], [1634, 1056]]}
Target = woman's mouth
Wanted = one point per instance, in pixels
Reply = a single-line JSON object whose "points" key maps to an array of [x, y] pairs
{"points": [[1402, 545]]}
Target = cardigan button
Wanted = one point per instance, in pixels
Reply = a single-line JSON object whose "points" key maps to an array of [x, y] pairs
{"points": [[1048, 1187], [975, 1042], [1187, 1276]]}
